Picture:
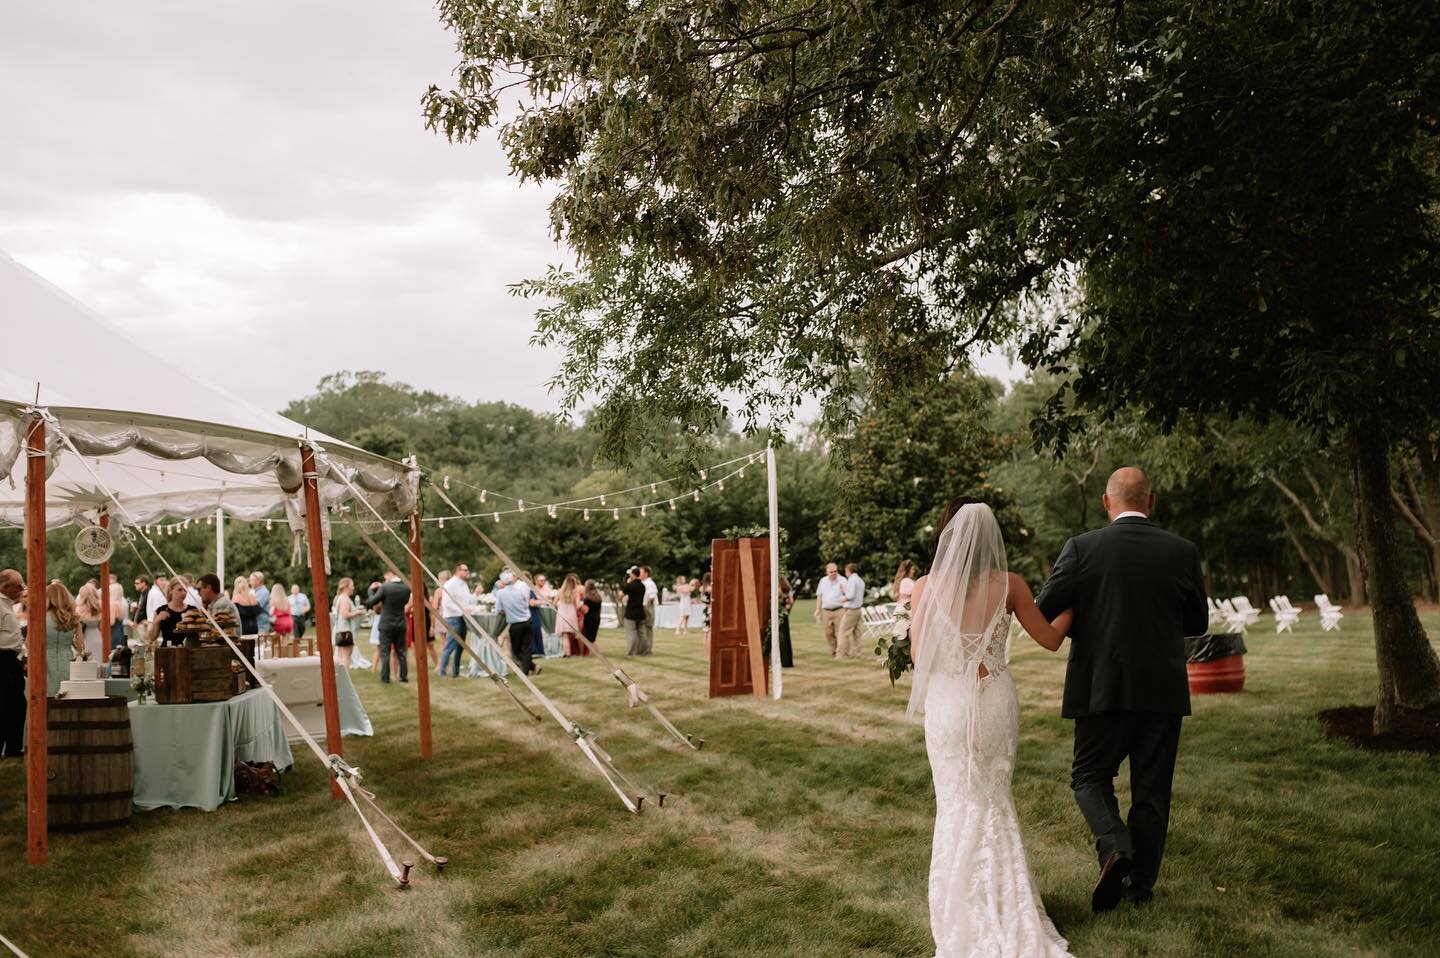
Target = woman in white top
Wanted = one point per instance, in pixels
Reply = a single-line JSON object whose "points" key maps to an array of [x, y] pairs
{"points": [[346, 614], [683, 588]]}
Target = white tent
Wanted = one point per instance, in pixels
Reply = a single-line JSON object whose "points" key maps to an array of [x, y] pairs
{"points": [[170, 443]]}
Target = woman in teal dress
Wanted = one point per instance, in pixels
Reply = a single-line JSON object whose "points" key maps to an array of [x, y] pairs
{"points": [[62, 640]]}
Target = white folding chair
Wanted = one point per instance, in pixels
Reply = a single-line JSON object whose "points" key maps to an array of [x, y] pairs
{"points": [[1330, 613], [1217, 614], [1235, 620], [1243, 606], [1285, 614]]}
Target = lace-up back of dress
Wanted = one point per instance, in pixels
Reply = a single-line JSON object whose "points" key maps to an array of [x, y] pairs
{"points": [[963, 648]]}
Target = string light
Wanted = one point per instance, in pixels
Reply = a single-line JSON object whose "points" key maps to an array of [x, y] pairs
{"points": [[587, 515], [497, 517], [482, 495], [642, 510], [447, 482], [617, 515], [672, 505], [602, 500], [269, 525], [652, 488], [442, 522], [721, 485], [522, 505], [702, 474], [697, 495]]}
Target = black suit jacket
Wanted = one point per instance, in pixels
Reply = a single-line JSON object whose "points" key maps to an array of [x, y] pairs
{"points": [[1137, 592], [391, 598]]}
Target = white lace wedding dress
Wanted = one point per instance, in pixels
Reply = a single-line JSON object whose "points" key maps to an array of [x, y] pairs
{"points": [[983, 901]]}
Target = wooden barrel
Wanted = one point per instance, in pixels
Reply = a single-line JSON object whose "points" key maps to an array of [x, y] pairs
{"points": [[1225, 674], [92, 780]]}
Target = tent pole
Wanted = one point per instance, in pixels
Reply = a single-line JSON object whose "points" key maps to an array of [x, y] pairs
{"points": [[220, 544], [418, 608], [37, 850], [320, 589], [105, 595], [774, 567]]}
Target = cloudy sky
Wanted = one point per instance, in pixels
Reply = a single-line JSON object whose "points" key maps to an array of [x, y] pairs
{"points": [[256, 178]]}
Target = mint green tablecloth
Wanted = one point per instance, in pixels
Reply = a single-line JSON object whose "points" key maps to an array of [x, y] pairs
{"points": [[185, 755]]}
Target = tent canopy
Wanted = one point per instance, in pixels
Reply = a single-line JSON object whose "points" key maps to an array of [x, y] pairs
{"points": [[165, 440]]}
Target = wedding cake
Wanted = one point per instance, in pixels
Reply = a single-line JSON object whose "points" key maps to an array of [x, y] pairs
{"points": [[85, 681]]}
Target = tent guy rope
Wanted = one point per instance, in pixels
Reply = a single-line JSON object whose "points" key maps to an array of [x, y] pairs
{"points": [[584, 739]]}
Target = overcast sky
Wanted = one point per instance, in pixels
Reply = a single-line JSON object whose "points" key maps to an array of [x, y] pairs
{"points": [[254, 183]]}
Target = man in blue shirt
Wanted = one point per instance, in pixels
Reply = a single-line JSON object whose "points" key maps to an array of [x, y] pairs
{"points": [[850, 619], [262, 599], [513, 601]]}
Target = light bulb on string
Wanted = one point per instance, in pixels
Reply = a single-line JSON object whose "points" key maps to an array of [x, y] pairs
{"points": [[742, 472], [697, 495], [672, 505], [721, 485], [441, 523], [522, 505], [269, 525], [602, 500], [702, 474], [587, 515], [497, 517], [642, 510], [652, 488], [446, 482], [617, 515], [482, 495]]}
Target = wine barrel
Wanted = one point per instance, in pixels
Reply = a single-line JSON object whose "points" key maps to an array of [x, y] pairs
{"points": [[92, 780], [1225, 674]]}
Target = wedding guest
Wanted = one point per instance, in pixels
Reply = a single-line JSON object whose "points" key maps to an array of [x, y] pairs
{"points": [[299, 609], [374, 631], [119, 613], [850, 622], [155, 598], [62, 635], [162, 624], [87, 604], [904, 585], [516, 600], [568, 608], [590, 616], [389, 600], [282, 621], [537, 620], [683, 588], [347, 621], [652, 599], [262, 600], [634, 591], [139, 613], [12, 673], [439, 634], [212, 599], [830, 607], [247, 606], [787, 602], [455, 602]]}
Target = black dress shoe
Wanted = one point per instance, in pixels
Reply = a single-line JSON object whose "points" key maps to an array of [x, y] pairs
{"points": [[1111, 885], [1138, 897]]}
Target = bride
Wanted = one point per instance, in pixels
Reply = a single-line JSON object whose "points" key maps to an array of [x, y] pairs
{"points": [[982, 898]]}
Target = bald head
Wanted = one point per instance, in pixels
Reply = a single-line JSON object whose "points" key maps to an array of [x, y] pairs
{"points": [[12, 585], [1128, 491]]}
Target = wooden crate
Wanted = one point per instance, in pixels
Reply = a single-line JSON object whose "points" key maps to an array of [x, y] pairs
{"points": [[209, 673]]}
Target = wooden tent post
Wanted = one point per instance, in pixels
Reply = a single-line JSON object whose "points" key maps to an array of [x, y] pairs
{"points": [[418, 608], [37, 850], [105, 596], [320, 589]]}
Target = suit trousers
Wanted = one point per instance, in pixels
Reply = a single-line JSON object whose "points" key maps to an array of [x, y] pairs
{"points": [[394, 638], [12, 703], [850, 633], [1150, 740], [647, 629], [522, 646], [830, 619], [634, 636]]}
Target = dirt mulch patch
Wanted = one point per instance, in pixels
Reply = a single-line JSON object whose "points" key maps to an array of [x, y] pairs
{"points": [[1415, 730]]}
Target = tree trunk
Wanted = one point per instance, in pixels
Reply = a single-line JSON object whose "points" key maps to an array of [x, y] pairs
{"points": [[1408, 670], [1322, 581], [1355, 576]]}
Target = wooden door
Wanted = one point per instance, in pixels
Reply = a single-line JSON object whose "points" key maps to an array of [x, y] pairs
{"points": [[739, 610]]}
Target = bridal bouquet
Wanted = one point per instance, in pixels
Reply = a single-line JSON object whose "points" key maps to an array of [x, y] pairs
{"points": [[893, 650]]}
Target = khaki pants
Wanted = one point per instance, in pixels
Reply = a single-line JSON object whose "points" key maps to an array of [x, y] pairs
{"points": [[831, 619], [850, 634]]}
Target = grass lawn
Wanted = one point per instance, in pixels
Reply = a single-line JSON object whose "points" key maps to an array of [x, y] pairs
{"points": [[803, 828]]}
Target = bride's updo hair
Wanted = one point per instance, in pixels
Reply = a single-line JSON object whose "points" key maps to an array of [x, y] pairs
{"points": [[951, 508]]}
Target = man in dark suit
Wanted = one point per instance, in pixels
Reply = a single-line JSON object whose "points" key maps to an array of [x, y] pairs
{"points": [[1137, 592], [389, 600]]}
